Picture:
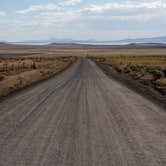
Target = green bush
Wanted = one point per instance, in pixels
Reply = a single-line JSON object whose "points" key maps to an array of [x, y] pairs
{"points": [[127, 70], [133, 67], [157, 73]]}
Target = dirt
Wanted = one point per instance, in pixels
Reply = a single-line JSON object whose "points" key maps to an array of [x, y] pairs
{"points": [[81, 118]]}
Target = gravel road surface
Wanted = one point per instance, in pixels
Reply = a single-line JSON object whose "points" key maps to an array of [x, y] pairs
{"points": [[81, 118]]}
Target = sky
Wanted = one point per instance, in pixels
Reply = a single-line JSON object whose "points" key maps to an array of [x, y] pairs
{"points": [[81, 19]]}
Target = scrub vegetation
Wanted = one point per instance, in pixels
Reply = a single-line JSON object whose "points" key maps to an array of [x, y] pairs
{"points": [[16, 73], [148, 70]]}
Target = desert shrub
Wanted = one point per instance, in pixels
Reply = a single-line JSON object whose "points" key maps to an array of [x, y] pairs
{"points": [[2, 77], [102, 60], [151, 69], [157, 73], [119, 69], [5, 67], [21, 81], [99, 59], [127, 70], [164, 71], [34, 65], [159, 68], [134, 67]]}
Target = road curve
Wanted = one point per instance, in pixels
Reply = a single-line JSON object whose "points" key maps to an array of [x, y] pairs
{"points": [[81, 118]]}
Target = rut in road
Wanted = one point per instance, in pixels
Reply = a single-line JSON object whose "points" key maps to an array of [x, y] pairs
{"points": [[81, 118]]}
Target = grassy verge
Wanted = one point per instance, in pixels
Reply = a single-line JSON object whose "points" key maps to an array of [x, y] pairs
{"points": [[18, 73], [147, 70]]}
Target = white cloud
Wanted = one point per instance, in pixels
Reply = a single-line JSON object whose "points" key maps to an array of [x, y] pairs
{"points": [[136, 17], [71, 2], [37, 8], [155, 4], [52, 14], [2, 13], [64, 18], [48, 7], [59, 17]]}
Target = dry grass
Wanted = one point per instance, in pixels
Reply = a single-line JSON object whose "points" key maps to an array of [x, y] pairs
{"points": [[75, 50], [138, 60], [149, 70], [18, 73]]}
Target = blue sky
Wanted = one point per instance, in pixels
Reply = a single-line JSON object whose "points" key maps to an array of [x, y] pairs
{"points": [[80, 19]]}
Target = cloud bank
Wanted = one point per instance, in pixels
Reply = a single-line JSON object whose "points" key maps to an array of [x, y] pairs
{"points": [[77, 19]]}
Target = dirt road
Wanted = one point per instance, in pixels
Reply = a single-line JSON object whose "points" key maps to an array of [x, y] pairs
{"points": [[81, 118]]}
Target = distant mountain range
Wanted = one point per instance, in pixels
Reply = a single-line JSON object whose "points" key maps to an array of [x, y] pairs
{"points": [[144, 40], [60, 41], [3, 42], [91, 41]]}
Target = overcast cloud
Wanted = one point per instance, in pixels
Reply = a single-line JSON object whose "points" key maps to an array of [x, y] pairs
{"points": [[79, 19]]}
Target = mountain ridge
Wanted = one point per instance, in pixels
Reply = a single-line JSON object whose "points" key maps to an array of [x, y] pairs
{"points": [[161, 39]]}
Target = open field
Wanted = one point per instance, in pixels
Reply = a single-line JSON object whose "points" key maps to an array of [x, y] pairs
{"points": [[19, 72], [76, 50], [35, 62]]}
